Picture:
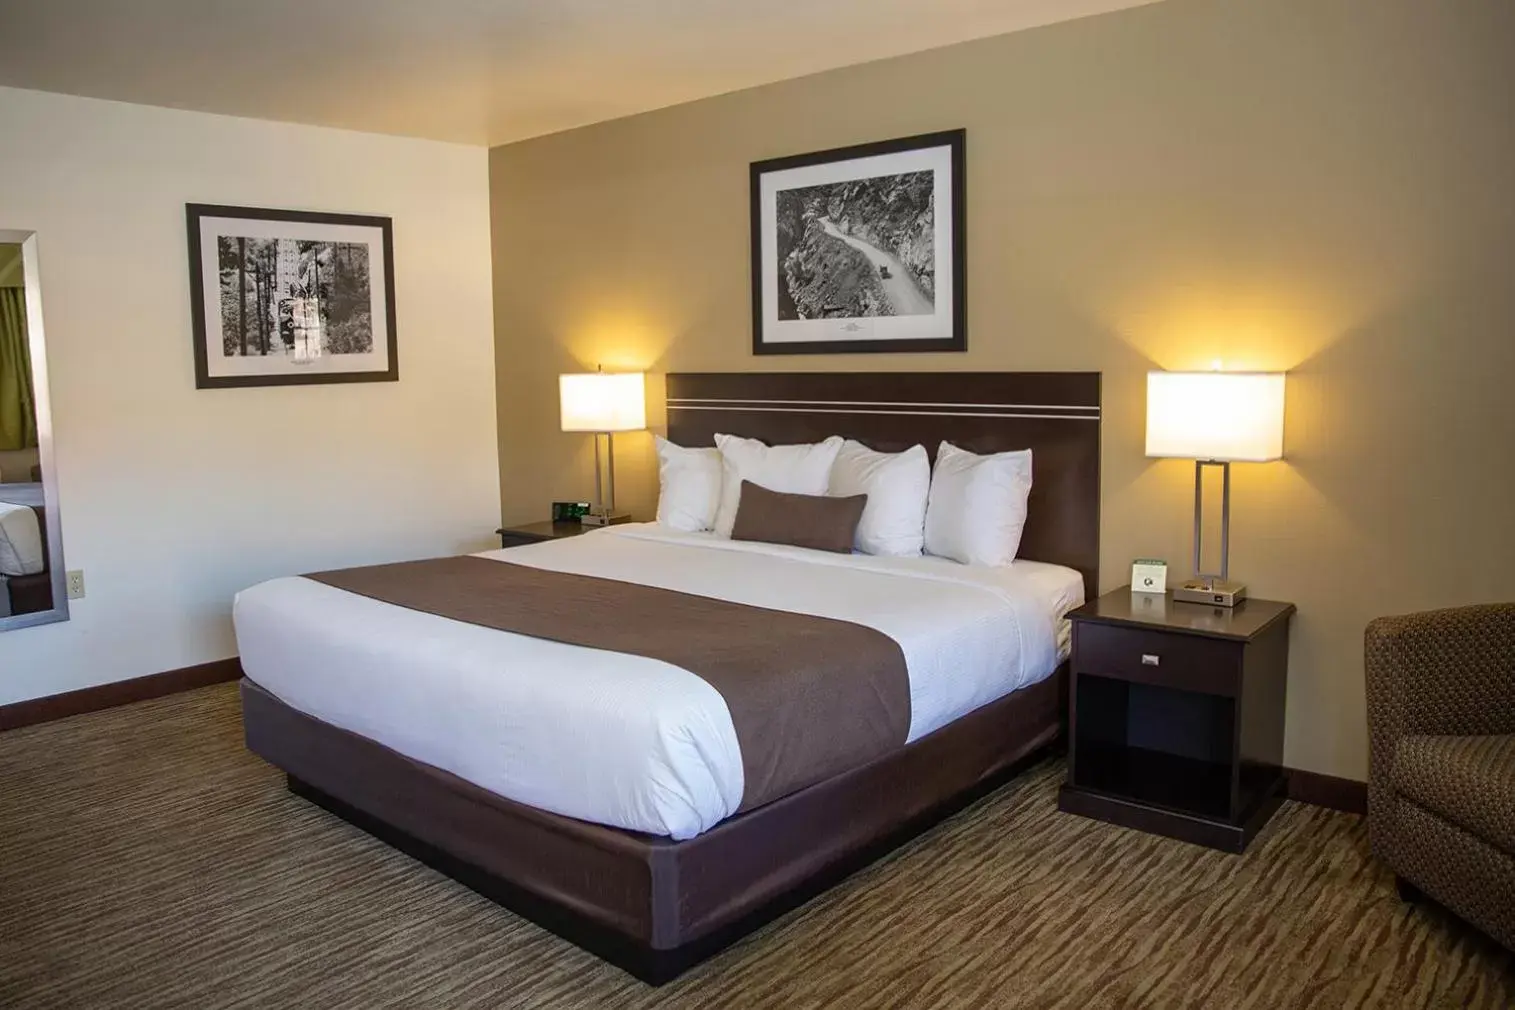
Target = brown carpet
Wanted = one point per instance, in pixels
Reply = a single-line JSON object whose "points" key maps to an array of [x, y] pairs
{"points": [[146, 860]]}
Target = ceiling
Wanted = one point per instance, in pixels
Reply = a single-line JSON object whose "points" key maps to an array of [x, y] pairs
{"points": [[472, 71]]}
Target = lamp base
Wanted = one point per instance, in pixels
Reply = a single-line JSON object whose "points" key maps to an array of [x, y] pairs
{"points": [[1214, 592], [601, 519]]}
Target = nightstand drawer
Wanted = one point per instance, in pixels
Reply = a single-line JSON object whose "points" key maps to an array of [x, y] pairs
{"points": [[537, 533], [513, 540], [1185, 662]]}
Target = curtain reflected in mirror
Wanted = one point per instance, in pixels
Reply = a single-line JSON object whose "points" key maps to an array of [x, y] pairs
{"points": [[31, 576]]}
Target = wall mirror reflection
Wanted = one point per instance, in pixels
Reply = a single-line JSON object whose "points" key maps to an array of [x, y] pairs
{"points": [[32, 576]]}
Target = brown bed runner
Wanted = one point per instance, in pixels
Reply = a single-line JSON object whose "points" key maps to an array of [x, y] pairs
{"points": [[810, 697]]}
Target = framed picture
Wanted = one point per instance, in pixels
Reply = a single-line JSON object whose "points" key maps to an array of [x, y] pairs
{"points": [[283, 297], [860, 249]]}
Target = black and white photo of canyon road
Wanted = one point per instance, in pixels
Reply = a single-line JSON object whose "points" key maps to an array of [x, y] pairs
{"points": [[861, 248]]}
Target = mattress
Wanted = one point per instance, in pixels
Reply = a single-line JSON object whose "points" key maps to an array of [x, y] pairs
{"points": [[623, 740], [21, 551]]}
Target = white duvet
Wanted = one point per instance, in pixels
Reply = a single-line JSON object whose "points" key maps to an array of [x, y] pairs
{"points": [[622, 740], [20, 540]]}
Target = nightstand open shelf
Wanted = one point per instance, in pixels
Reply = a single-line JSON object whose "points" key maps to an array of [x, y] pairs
{"points": [[1177, 716], [1181, 784]]}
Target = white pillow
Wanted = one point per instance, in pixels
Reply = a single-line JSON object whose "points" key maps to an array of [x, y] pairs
{"points": [[977, 507], [689, 486], [794, 469], [896, 483]]}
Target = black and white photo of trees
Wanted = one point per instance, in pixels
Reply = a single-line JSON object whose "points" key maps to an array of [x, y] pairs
{"points": [[290, 297], [294, 298], [859, 248]]}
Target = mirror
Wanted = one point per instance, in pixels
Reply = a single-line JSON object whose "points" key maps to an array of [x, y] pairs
{"points": [[32, 574]]}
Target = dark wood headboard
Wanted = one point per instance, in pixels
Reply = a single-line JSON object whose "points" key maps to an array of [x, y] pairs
{"points": [[1054, 414]]}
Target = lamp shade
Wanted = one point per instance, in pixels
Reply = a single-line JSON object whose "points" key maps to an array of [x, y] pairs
{"points": [[602, 401], [1216, 415]]}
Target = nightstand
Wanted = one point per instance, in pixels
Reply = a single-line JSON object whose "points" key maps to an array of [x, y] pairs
{"points": [[535, 533], [1177, 721]]}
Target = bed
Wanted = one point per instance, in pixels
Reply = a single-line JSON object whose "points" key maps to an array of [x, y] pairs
{"points": [[605, 794], [25, 581]]}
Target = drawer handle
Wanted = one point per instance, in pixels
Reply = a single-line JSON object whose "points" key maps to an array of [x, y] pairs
{"points": [[1148, 659]]}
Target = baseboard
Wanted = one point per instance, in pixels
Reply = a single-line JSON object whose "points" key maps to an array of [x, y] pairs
{"points": [[122, 692], [1346, 795]]}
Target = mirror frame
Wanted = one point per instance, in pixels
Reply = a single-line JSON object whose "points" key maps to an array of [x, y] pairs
{"points": [[42, 397]]}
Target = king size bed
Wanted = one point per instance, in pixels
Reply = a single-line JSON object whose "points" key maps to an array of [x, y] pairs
{"points": [[651, 741]]}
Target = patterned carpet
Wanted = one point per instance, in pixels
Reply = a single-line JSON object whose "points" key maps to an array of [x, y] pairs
{"points": [[146, 860]]}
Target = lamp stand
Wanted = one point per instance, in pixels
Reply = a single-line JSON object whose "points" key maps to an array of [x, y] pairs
{"points": [[605, 514], [1217, 590]]}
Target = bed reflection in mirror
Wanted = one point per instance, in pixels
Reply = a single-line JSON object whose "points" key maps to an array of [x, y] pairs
{"points": [[32, 586]]}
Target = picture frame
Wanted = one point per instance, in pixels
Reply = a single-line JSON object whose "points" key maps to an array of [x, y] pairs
{"points": [[861, 249], [287, 297]]}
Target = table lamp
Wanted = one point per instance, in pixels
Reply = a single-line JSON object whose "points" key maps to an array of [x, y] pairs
{"points": [[1215, 419], [603, 403]]}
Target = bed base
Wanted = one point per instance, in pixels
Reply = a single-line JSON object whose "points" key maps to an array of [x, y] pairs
{"points": [[30, 594], [649, 905], [652, 966]]}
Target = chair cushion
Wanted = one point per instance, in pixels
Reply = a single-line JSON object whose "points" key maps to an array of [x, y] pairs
{"points": [[1469, 780]]}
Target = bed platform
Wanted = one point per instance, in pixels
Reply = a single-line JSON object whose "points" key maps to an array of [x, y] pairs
{"points": [[654, 906], [650, 905]]}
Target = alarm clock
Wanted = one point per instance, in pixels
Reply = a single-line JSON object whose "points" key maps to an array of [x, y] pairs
{"points": [[569, 511]]}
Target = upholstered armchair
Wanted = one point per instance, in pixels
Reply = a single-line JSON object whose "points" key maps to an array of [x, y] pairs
{"points": [[1441, 776]]}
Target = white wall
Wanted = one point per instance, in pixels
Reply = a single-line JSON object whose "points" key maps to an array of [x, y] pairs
{"points": [[172, 498]]}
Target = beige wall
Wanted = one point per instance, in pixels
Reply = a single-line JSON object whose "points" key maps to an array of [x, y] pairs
{"points": [[173, 498], [1321, 186]]}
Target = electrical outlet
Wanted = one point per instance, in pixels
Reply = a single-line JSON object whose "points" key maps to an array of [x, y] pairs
{"points": [[76, 585]]}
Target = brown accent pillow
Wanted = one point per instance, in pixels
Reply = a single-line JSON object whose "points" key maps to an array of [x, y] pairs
{"points": [[816, 521]]}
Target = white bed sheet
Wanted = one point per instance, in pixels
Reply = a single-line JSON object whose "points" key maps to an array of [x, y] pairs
{"points": [[622, 740], [20, 540]]}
